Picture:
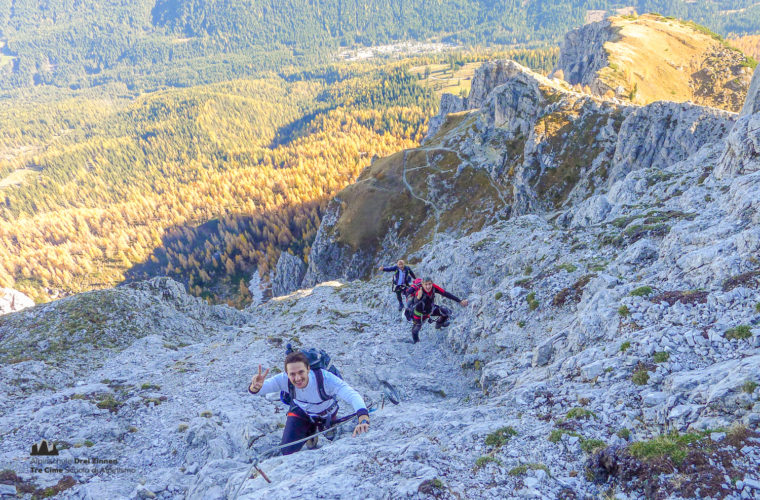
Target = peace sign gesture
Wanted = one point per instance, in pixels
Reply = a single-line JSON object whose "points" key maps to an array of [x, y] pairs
{"points": [[258, 380]]}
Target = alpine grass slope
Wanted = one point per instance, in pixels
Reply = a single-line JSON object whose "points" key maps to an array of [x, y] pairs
{"points": [[611, 347]]}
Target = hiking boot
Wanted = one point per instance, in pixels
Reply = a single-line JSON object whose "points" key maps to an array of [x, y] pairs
{"points": [[441, 324], [330, 434], [415, 334], [312, 443]]}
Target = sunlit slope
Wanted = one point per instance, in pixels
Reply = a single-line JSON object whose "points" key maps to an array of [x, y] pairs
{"points": [[207, 184], [654, 58]]}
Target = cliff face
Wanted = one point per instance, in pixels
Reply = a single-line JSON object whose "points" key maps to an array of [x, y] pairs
{"points": [[582, 54], [650, 58], [532, 146], [289, 273]]}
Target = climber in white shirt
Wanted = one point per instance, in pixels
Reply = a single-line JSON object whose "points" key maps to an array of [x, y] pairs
{"points": [[313, 394]]}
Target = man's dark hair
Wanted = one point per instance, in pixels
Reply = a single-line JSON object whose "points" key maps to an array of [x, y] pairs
{"points": [[296, 357], [427, 280]]}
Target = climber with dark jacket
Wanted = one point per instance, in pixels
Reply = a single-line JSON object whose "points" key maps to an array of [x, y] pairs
{"points": [[314, 404], [401, 279], [422, 306]]}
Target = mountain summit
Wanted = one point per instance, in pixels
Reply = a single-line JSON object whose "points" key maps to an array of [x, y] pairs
{"points": [[653, 58]]}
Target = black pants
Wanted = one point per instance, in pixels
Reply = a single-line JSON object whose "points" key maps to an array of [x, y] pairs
{"points": [[399, 289], [298, 426], [443, 314]]}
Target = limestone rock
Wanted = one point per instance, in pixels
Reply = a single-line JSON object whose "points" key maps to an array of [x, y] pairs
{"points": [[13, 300], [449, 104], [288, 274]]}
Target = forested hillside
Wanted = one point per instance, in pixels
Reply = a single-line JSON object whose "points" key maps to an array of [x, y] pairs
{"points": [[203, 184], [147, 44]]}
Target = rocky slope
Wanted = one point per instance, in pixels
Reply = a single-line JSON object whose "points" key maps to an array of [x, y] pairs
{"points": [[525, 144], [650, 58], [609, 252]]}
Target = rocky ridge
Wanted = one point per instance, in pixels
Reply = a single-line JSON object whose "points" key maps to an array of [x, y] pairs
{"points": [[525, 144], [679, 61]]}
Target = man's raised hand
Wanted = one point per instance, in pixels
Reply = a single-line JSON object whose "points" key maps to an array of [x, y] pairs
{"points": [[258, 380]]}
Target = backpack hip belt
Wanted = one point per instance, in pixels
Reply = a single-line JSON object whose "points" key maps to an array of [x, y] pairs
{"points": [[327, 412]]}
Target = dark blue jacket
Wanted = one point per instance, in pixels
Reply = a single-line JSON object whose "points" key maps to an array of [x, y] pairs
{"points": [[407, 279]]}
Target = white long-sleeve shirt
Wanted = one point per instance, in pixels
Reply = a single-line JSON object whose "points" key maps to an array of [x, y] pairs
{"points": [[309, 399]]}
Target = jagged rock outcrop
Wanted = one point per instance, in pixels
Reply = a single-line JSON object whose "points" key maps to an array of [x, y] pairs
{"points": [[651, 58], [533, 146], [582, 55], [664, 133], [752, 103], [288, 274], [331, 257], [13, 300], [449, 104]]}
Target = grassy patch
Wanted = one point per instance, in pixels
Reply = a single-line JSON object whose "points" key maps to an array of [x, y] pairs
{"points": [[749, 386], [592, 445], [498, 296], [625, 346], [500, 437], [109, 403], [640, 376], [740, 332], [532, 302], [661, 357], [182, 427], [673, 446], [624, 434], [522, 469], [757, 307], [556, 435], [580, 413], [149, 386], [624, 311], [567, 267], [641, 291], [485, 460], [521, 324]]}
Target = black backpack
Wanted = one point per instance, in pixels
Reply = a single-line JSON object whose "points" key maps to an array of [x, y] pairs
{"points": [[318, 360]]}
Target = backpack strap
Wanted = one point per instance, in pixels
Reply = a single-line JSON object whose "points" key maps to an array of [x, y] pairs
{"points": [[292, 391], [321, 385]]}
